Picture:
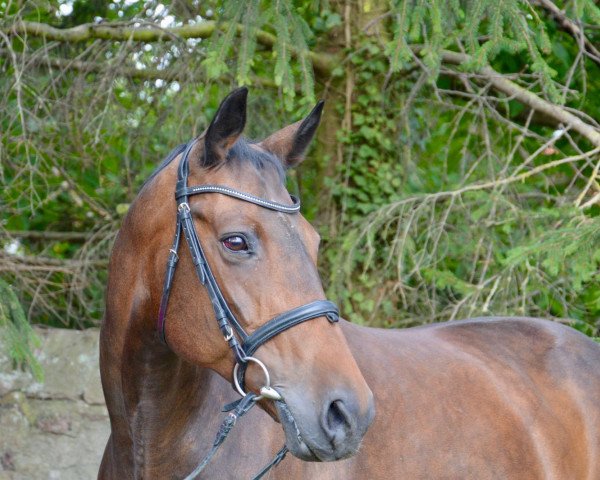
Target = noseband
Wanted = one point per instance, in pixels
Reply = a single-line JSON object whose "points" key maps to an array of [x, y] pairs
{"points": [[244, 345]]}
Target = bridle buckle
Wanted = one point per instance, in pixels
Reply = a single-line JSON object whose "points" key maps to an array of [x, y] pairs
{"points": [[229, 333]]}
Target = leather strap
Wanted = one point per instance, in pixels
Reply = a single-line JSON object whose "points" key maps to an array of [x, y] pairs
{"points": [[224, 316], [279, 456], [242, 407], [289, 319], [168, 281], [240, 410]]}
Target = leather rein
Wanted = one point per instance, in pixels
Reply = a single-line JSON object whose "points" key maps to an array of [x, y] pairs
{"points": [[242, 344]]}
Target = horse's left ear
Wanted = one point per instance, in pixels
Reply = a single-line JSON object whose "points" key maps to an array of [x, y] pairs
{"points": [[225, 128], [290, 143]]}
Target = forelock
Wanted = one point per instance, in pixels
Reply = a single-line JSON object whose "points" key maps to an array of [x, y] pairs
{"points": [[244, 151]]}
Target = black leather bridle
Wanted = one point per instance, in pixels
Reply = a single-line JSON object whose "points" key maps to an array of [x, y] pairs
{"points": [[243, 345]]}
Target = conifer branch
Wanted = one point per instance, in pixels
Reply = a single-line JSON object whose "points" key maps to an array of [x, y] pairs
{"points": [[557, 113], [569, 26], [323, 63]]}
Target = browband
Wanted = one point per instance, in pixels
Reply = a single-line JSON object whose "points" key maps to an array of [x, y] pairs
{"points": [[230, 192]]}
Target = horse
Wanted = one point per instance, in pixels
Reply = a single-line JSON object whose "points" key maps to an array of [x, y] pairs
{"points": [[483, 398]]}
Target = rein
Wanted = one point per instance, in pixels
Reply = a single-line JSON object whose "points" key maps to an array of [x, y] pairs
{"points": [[242, 344]]}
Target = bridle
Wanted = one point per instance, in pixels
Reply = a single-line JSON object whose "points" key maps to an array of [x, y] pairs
{"points": [[242, 344], [229, 325]]}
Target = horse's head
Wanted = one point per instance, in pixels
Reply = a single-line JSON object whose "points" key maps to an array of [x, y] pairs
{"points": [[264, 262]]}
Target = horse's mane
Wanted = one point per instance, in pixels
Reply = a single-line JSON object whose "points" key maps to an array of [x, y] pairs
{"points": [[240, 152], [169, 158]]}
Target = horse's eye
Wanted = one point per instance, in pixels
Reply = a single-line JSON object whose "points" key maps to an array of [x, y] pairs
{"points": [[235, 243]]}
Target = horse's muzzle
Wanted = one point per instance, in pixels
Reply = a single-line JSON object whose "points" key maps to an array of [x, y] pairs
{"points": [[333, 432]]}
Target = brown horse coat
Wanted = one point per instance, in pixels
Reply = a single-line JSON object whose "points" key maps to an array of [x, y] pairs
{"points": [[491, 398]]}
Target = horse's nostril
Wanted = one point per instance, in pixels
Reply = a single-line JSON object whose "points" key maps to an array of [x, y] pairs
{"points": [[336, 422], [335, 417]]}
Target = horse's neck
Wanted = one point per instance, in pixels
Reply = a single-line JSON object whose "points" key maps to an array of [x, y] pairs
{"points": [[157, 402], [169, 403]]}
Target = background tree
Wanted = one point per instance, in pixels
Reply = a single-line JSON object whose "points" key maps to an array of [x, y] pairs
{"points": [[455, 174]]}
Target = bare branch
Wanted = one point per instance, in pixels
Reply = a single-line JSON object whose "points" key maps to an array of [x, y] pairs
{"points": [[557, 113], [171, 74], [323, 63], [45, 235], [13, 263]]}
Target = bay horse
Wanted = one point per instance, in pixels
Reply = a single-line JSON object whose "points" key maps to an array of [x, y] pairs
{"points": [[485, 398]]}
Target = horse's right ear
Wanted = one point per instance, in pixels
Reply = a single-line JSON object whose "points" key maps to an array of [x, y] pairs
{"points": [[290, 143], [225, 128]]}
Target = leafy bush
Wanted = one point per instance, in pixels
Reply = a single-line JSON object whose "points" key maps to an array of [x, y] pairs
{"points": [[439, 191]]}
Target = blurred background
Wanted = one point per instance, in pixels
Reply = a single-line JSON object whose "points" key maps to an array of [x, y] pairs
{"points": [[455, 173]]}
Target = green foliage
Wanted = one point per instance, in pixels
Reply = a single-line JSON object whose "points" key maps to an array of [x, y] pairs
{"points": [[369, 181], [292, 36], [570, 252], [482, 28], [416, 197], [417, 247], [18, 337]]}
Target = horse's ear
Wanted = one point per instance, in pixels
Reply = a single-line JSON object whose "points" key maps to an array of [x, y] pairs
{"points": [[290, 143], [225, 128]]}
